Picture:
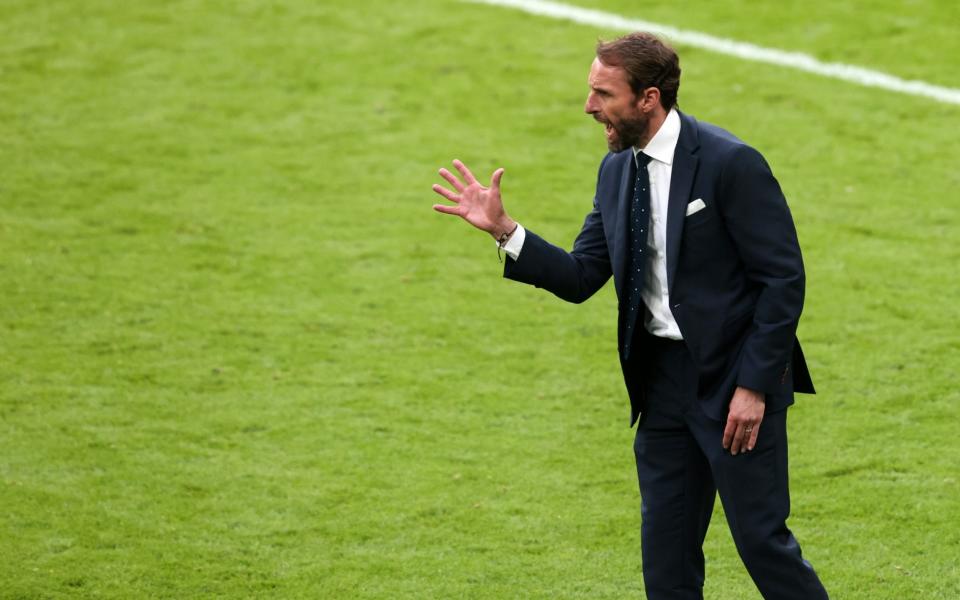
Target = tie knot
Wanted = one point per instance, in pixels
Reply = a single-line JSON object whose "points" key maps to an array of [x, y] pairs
{"points": [[643, 160]]}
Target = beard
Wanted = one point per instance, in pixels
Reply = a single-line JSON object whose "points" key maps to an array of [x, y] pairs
{"points": [[625, 133]]}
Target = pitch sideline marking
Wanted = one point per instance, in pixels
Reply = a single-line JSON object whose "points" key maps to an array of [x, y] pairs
{"points": [[743, 50]]}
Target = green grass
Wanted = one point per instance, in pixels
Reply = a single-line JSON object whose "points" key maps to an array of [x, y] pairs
{"points": [[239, 355]]}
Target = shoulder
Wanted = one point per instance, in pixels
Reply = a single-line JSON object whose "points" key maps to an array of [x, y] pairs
{"points": [[726, 153], [718, 143]]}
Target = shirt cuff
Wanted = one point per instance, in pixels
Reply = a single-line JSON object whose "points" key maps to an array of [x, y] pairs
{"points": [[515, 243]]}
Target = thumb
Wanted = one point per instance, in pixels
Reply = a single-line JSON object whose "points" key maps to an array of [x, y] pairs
{"points": [[495, 180]]}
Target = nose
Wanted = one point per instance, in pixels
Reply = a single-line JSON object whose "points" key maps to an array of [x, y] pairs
{"points": [[589, 106]]}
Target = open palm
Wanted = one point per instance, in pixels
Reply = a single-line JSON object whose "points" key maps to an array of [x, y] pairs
{"points": [[478, 205]]}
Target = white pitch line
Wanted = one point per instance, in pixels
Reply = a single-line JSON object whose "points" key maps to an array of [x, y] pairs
{"points": [[744, 50]]}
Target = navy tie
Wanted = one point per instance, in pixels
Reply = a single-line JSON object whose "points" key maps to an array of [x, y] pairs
{"points": [[636, 262]]}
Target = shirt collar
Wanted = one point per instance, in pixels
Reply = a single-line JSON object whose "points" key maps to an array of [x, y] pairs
{"points": [[663, 144]]}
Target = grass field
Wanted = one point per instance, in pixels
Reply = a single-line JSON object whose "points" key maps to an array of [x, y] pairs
{"points": [[241, 357]]}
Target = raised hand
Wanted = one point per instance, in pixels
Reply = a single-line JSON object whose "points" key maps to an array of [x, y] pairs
{"points": [[478, 205]]}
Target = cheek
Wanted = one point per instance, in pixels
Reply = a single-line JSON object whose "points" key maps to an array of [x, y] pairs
{"points": [[614, 117], [616, 111]]}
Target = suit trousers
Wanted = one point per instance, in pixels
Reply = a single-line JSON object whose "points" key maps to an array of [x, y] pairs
{"points": [[682, 466]]}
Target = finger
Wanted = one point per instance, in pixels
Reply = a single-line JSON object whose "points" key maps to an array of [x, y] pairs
{"points": [[449, 210], [452, 179], [446, 193], [753, 437], [495, 180], [738, 440], [467, 175], [728, 432]]}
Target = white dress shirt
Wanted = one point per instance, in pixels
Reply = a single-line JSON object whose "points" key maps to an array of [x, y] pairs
{"points": [[660, 149]]}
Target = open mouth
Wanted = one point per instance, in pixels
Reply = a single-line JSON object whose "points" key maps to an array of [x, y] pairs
{"points": [[608, 128]]}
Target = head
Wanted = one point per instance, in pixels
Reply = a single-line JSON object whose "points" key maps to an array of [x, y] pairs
{"points": [[633, 85]]}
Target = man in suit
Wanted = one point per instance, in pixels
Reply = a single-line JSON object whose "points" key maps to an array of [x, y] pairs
{"points": [[695, 231]]}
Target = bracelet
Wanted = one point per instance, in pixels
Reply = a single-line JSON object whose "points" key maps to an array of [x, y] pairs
{"points": [[503, 240]]}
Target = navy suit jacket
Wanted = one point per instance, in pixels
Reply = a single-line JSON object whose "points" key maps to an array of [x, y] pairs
{"points": [[734, 270]]}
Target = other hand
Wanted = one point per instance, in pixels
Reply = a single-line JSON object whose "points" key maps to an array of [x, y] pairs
{"points": [[478, 205], [743, 420]]}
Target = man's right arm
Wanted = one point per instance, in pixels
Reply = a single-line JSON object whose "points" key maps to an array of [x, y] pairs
{"points": [[573, 276]]}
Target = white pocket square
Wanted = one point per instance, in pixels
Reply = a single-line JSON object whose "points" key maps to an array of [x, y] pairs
{"points": [[696, 205]]}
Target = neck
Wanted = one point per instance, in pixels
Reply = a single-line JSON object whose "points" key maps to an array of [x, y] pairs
{"points": [[657, 117]]}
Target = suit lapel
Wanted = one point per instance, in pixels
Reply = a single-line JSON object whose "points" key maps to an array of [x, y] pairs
{"points": [[684, 170], [620, 240]]}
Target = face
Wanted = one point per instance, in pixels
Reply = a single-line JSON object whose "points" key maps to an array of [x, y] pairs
{"points": [[612, 102]]}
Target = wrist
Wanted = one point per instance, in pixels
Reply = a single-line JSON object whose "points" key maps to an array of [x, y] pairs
{"points": [[753, 394], [503, 229]]}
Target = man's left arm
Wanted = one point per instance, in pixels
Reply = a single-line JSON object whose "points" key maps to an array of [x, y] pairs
{"points": [[761, 226], [756, 215]]}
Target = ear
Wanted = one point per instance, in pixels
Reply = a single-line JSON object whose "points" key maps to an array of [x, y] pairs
{"points": [[649, 99]]}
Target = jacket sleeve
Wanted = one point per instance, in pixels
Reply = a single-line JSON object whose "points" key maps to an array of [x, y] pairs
{"points": [[573, 276], [761, 226]]}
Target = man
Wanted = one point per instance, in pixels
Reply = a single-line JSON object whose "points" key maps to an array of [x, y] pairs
{"points": [[696, 233]]}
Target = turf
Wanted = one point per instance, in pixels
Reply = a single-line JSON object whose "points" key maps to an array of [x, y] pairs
{"points": [[240, 356]]}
